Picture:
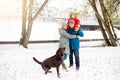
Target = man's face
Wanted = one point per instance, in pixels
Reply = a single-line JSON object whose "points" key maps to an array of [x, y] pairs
{"points": [[71, 25]]}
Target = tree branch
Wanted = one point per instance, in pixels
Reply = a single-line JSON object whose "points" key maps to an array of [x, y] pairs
{"points": [[39, 11]]}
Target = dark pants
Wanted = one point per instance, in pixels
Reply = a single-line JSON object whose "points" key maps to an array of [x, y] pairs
{"points": [[76, 54]]}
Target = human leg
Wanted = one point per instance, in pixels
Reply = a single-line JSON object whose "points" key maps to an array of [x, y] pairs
{"points": [[77, 59], [71, 58], [64, 58]]}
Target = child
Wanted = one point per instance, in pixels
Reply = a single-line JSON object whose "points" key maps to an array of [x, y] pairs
{"points": [[77, 21], [71, 17], [74, 45], [64, 42], [74, 16]]}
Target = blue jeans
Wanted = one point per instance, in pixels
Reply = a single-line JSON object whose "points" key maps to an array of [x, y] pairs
{"points": [[64, 58], [77, 60]]}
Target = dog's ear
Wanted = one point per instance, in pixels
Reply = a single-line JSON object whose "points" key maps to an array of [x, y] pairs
{"points": [[60, 50]]}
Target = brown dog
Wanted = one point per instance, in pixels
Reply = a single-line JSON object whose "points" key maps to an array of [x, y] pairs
{"points": [[53, 61]]}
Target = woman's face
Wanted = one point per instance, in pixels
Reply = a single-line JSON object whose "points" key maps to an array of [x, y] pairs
{"points": [[65, 27]]}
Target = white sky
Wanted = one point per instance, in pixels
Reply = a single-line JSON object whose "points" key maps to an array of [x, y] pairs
{"points": [[62, 4], [8, 7]]}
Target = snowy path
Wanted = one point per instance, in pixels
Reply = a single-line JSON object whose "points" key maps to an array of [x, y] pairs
{"points": [[96, 63]]}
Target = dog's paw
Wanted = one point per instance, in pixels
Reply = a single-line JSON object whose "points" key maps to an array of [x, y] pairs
{"points": [[59, 77]]}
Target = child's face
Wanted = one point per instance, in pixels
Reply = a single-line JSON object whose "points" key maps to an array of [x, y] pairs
{"points": [[71, 25], [73, 16]]}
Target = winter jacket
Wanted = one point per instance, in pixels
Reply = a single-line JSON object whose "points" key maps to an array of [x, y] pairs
{"points": [[75, 43], [64, 40]]}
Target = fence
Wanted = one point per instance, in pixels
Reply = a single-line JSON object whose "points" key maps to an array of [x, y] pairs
{"points": [[48, 41]]}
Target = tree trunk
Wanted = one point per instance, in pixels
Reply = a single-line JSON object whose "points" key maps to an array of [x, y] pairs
{"points": [[30, 21], [114, 33], [106, 23], [27, 36], [103, 32], [100, 21], [24, 14]]}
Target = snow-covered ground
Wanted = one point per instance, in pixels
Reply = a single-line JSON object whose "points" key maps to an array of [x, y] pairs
{"points": [[100, 63], [16, 63]]}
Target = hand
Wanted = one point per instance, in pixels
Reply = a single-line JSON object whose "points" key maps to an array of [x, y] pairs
{"points": [[76, 29], [77, 36]]}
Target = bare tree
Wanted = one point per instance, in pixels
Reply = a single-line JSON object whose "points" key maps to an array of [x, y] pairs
{"points": [[24, 14], [30, 22], [105, 23], [26, 33]]}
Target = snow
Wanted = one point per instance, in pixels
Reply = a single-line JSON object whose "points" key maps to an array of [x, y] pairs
{"points": [[99, 63], [16, 63]]}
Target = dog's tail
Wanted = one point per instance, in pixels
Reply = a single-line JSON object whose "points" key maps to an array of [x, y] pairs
{"points": [[36, 60]]}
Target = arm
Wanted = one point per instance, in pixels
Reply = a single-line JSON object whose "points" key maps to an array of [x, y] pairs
{"points": [[80, 32], [64, 33]]}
